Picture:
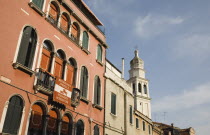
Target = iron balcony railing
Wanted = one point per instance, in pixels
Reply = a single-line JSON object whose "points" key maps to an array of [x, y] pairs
{"points": [[46, 81]]}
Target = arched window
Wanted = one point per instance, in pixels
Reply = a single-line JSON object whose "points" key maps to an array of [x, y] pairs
{"points": [[80, 128], [46, 61], [66, 127], [64, 23], [71, 72], [97, 90], [96, 130], [99, 53], [39, 3], [139, 87], [13, 116], [52, 123], [145, 89], [75, 32], [84, 81], [85, 40], [59, 67], [36, 120], [27, 47], [53, 13]]}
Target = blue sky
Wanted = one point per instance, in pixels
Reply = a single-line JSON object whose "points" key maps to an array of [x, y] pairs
{"points": [[173, 39]]}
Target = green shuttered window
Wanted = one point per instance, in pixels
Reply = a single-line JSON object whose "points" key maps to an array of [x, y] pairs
{"points": [[113, 103], [80, 128], [96, 130], [13, 116], [39, 3], [84, 81], [137, 123], [85, 40], [131, 113], [27, 47], [97, 90], [99, 53]]}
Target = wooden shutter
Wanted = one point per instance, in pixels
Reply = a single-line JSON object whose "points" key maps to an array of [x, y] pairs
{"points": [[36, 117], [52, 122], [53, 12], [64, 23], [45, 62], [65, 125], [70, 74], [58, 68], [74, 31]]}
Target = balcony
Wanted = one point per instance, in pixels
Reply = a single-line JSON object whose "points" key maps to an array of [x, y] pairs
{"points": [[45, 82]]}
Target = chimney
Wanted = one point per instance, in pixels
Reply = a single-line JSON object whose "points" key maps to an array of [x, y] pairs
{"points": [[122, 76]]}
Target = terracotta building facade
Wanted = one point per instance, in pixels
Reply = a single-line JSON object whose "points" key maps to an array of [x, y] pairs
{"points": [[52, 71]]}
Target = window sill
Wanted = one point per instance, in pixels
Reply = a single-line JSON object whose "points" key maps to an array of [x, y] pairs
{"points": [[85, 50], [37, 9], [85, 100], [100, 63], [97, 107], [23, 68], [114, 115]]}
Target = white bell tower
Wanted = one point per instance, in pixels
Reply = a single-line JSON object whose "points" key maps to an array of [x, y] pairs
{"points": [[140, 85]]}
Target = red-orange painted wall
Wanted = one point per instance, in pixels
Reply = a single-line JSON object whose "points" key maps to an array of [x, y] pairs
{"points": [[13, 20]]}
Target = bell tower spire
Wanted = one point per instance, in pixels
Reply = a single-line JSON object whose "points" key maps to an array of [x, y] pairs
{"points": [[140, 85]]}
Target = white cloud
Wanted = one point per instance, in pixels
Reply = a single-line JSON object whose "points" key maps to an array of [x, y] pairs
{"points": [[153, 25], [185, 100], [196, 46]]}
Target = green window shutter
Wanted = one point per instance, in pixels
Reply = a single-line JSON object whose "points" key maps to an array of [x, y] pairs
{"points": [[81, 81], [85, 82], [13, 116], [99, 91], [31, 49], [85, 40], [24, 45], [39, 3], [96, 130], [99, 53], [95, 90], [131, 112], [143, 126], [113, 103]]}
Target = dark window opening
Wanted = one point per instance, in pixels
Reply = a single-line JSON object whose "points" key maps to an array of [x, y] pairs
{"points": [[27, 47]]}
